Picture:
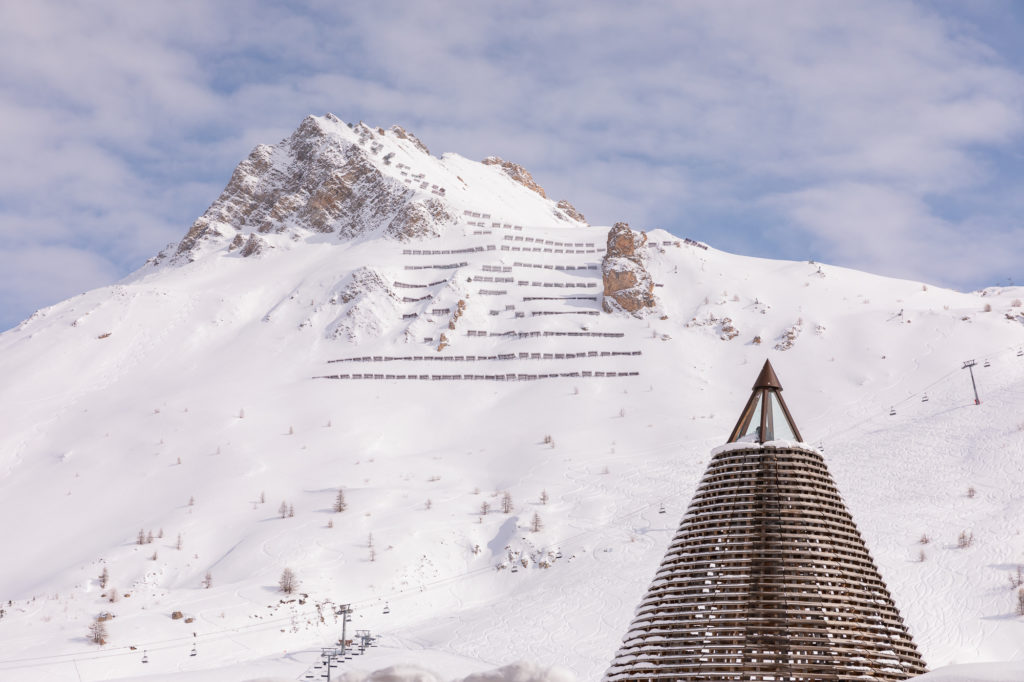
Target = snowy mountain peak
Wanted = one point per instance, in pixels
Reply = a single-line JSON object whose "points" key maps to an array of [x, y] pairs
{"points": [[329, 177], [425, 337]]}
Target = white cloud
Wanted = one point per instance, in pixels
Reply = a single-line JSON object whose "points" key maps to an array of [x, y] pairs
{"points": [[35, 277], [123, 119]]}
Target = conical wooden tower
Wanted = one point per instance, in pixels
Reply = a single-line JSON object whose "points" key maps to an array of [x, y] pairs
{"points": [[767, 577]]}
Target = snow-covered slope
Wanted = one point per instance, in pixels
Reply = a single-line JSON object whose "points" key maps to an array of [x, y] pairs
{"points": [[207, 391]]}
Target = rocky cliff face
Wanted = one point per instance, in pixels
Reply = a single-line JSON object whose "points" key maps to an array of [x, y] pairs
{"points": [[517, 173], [563, 210], [319, 181], [627, 284], [329, 177]]}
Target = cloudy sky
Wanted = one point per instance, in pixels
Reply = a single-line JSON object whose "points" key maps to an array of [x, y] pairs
{"points": [[885, 136]]}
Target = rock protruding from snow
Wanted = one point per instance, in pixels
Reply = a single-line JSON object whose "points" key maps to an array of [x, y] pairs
{"points": [[569, 210], [369, 307], [254, 246], [627, 284], [404, 134], [788, 337], [517, 173]]}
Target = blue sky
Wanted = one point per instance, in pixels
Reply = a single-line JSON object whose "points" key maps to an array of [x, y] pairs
{"points": [[884, 136]]}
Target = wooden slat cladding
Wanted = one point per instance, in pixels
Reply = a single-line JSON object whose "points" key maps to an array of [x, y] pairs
{"points": [[767, 578]]}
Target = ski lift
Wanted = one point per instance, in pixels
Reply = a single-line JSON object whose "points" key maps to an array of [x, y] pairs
{"points": [[661, 509], [1020, 352], [892, 410], [987, 363], [515, 568], [387, 609], [924, 398], [194, 651], [558, 554], [145, 657]]}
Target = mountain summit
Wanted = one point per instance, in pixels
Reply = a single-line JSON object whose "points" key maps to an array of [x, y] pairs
{"points": [[352, 180]]}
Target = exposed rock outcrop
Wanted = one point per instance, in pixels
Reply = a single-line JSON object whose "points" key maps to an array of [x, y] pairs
{"points": [[627, 284], [419, 219], [254, 246], [569, 210], [368, 307], [406, 135], [788, 337], [517, 173], [323, 178]]}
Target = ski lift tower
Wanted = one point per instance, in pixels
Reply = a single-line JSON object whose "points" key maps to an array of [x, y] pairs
{"points": [[365, 639], [345, 611], [969, 366]]}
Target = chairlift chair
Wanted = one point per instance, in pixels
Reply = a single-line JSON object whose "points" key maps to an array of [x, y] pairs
{"points": [[1020, 352], [194, 651], [387, 609], [924, 398], [987, 363], [145, 657], [661, 509], [892, 410]]}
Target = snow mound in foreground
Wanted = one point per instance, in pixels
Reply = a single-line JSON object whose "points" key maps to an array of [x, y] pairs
{"points": [[521, 671]]}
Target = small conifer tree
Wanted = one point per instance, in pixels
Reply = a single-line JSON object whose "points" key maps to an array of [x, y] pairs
{"points": [[535, 523], [339, 502], [98, 632]]}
